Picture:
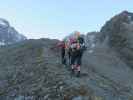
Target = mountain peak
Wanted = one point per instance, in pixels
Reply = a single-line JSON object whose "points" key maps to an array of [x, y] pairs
{"points": [[125, 12]]}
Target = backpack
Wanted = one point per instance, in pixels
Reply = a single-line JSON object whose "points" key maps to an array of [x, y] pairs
{"points": [[69, 40], [74, 41], [81, 42]]}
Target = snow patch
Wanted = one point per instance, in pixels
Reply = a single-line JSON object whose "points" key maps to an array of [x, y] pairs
{"points": [[2, 23], [2, 43], [19, 37], [93, 45], [131, 22], [129, 17], [90, 51]]}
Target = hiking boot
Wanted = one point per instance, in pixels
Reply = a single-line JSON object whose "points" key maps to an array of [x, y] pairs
{"points": [[64, 61]]}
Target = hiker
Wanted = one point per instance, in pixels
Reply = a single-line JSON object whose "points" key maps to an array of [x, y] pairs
{"points": [[74, 48], [62, 46], [77, 48], [68, 41], [69, 49]]}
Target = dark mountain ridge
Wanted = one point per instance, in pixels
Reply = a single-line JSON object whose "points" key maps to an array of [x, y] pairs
{"points": [[119, 33]]}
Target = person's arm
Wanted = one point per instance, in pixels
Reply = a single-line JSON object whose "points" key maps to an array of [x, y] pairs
{"points": [[58, 45]]}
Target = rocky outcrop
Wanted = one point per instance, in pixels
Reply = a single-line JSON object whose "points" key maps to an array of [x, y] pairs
{"points": [[91, 40], [119, 33]]}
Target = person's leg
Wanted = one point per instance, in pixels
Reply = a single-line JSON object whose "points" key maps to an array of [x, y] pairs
{"points": [[79, 61], [63, 56], [72, 62], [73, 59], [69, 55]]}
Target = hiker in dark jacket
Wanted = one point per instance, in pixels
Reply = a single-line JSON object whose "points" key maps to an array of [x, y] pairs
{"points": [[78, 48]]}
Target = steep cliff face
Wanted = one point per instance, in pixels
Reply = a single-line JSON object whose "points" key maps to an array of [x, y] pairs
{"points": [[8, 34], [119, 34]]}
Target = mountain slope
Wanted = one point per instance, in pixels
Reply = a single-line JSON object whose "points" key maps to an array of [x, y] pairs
{"points": [[31, 70], [112, 54]]}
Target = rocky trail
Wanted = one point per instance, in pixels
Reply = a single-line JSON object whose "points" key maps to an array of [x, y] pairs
{"points": [[41, 76], [94, 84]]}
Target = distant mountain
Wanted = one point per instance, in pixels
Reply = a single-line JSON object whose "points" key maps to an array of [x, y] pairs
{"points": [[8, 34]]}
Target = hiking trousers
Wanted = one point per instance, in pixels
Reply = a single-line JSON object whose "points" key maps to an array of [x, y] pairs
{"points": [[76, 58], [63, 56]]}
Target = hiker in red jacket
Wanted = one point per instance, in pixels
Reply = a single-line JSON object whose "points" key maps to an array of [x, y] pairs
{"points": [[62, 46]]}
